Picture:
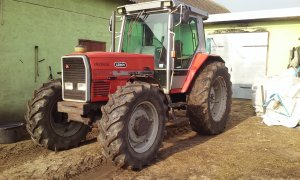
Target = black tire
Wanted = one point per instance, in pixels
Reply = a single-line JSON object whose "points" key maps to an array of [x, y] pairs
{"points": [[48, 127], [208, 117], [117, 115]]}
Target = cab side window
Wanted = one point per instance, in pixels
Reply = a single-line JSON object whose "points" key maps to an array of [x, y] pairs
{"points": [[186, 43]]}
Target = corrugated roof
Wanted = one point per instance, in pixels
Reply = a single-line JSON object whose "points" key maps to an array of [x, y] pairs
{"points": [[207, 5], [274, 14]]}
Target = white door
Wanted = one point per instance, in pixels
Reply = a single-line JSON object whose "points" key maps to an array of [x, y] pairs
{"points": [[245, 55]]}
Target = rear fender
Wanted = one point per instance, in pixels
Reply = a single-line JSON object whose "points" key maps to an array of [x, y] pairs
{"points": [[199, 62]]}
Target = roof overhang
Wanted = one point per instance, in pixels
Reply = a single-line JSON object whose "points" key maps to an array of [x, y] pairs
{"points": [[254, 16], [159, 5]]}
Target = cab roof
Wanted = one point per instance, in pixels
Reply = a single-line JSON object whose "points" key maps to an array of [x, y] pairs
{"points": [[160, 5], [211, 6]]}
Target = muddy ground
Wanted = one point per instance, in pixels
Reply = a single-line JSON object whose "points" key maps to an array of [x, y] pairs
{"points": [[248, 149]]}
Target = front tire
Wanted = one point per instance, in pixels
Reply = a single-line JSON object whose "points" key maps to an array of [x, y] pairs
{"points": [[132, 125], [48, 127], [209, 100]]}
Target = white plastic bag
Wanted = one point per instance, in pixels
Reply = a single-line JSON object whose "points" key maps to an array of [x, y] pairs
{"points": [[281, 95]]}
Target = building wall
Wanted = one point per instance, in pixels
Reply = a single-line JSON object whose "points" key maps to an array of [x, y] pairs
{"points": [[55, 27], [283, 35]]}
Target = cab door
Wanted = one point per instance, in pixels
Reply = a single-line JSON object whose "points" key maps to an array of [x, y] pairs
{"points": [[186, 44]]}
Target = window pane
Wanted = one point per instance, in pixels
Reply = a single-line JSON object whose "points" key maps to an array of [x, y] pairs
{"points": [[147, 34], [186, 42]]}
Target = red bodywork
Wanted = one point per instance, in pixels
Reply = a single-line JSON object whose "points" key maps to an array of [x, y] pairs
{"points": [[196, 64], [106, 77]]}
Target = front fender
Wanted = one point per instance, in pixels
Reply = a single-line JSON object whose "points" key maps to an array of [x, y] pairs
{"points": [[147, 79]]}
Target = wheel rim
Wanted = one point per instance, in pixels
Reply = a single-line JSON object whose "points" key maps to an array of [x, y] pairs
{"points": [[218, 99], [60, 124], [143, 127]]}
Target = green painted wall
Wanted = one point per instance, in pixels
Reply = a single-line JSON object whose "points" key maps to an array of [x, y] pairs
{"points": [[283, 35], [53, 25]]}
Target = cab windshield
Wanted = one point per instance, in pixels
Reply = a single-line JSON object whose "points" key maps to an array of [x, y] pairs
{"points": [[147, 34]]}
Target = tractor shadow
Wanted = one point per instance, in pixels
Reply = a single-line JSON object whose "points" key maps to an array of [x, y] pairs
{"points": [[180, 136], [91, 137]]}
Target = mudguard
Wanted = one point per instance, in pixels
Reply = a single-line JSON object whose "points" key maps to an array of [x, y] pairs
{"points": [[196, 65]]}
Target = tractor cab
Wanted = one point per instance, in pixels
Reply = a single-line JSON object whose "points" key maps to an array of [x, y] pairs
{"points": [[171, 31]]}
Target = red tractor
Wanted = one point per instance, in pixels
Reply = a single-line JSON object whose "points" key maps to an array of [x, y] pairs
{"points": [[160, 65]]}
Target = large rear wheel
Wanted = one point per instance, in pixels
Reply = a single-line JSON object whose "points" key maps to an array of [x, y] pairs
{"points": [[132, 125], [209, 100], [47, 126]]}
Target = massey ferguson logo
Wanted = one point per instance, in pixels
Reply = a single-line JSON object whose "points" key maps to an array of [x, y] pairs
{"points": [[120, 64]]}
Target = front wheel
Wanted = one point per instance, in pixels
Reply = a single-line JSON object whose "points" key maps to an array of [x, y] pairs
{"points": [[209, 100], [132, 125], [48, 127]]}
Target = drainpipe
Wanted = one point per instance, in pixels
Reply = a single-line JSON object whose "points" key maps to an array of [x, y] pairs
{"points": [[113, 31], [1, 11]]}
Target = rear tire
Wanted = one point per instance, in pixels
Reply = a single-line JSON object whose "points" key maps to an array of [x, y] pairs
{"points": [[132, 125], [48, 127], [209, 100]]}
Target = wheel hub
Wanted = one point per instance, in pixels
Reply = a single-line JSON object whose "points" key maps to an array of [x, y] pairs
{"points": [[218, 99], [141, 126], [212, 98]]}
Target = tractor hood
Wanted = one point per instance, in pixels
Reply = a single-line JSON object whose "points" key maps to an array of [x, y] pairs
{"points": [[102, 73], [113, 64]]}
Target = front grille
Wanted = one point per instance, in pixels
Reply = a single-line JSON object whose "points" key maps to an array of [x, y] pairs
{"points": [[74, 72], [101, 88]]}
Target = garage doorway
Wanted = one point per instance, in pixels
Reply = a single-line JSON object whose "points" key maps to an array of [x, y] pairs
{"points": [[93, 45], [245, 55]]}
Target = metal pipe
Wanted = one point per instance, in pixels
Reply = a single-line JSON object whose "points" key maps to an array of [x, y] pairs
{"points": [[263, 98], [36, 65], [168, 69], [113, 32], [121, 35]]}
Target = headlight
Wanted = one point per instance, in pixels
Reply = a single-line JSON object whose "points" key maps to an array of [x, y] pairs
{"points": [[121, 10], [68, 85], [81, 86], [167, 4]]}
